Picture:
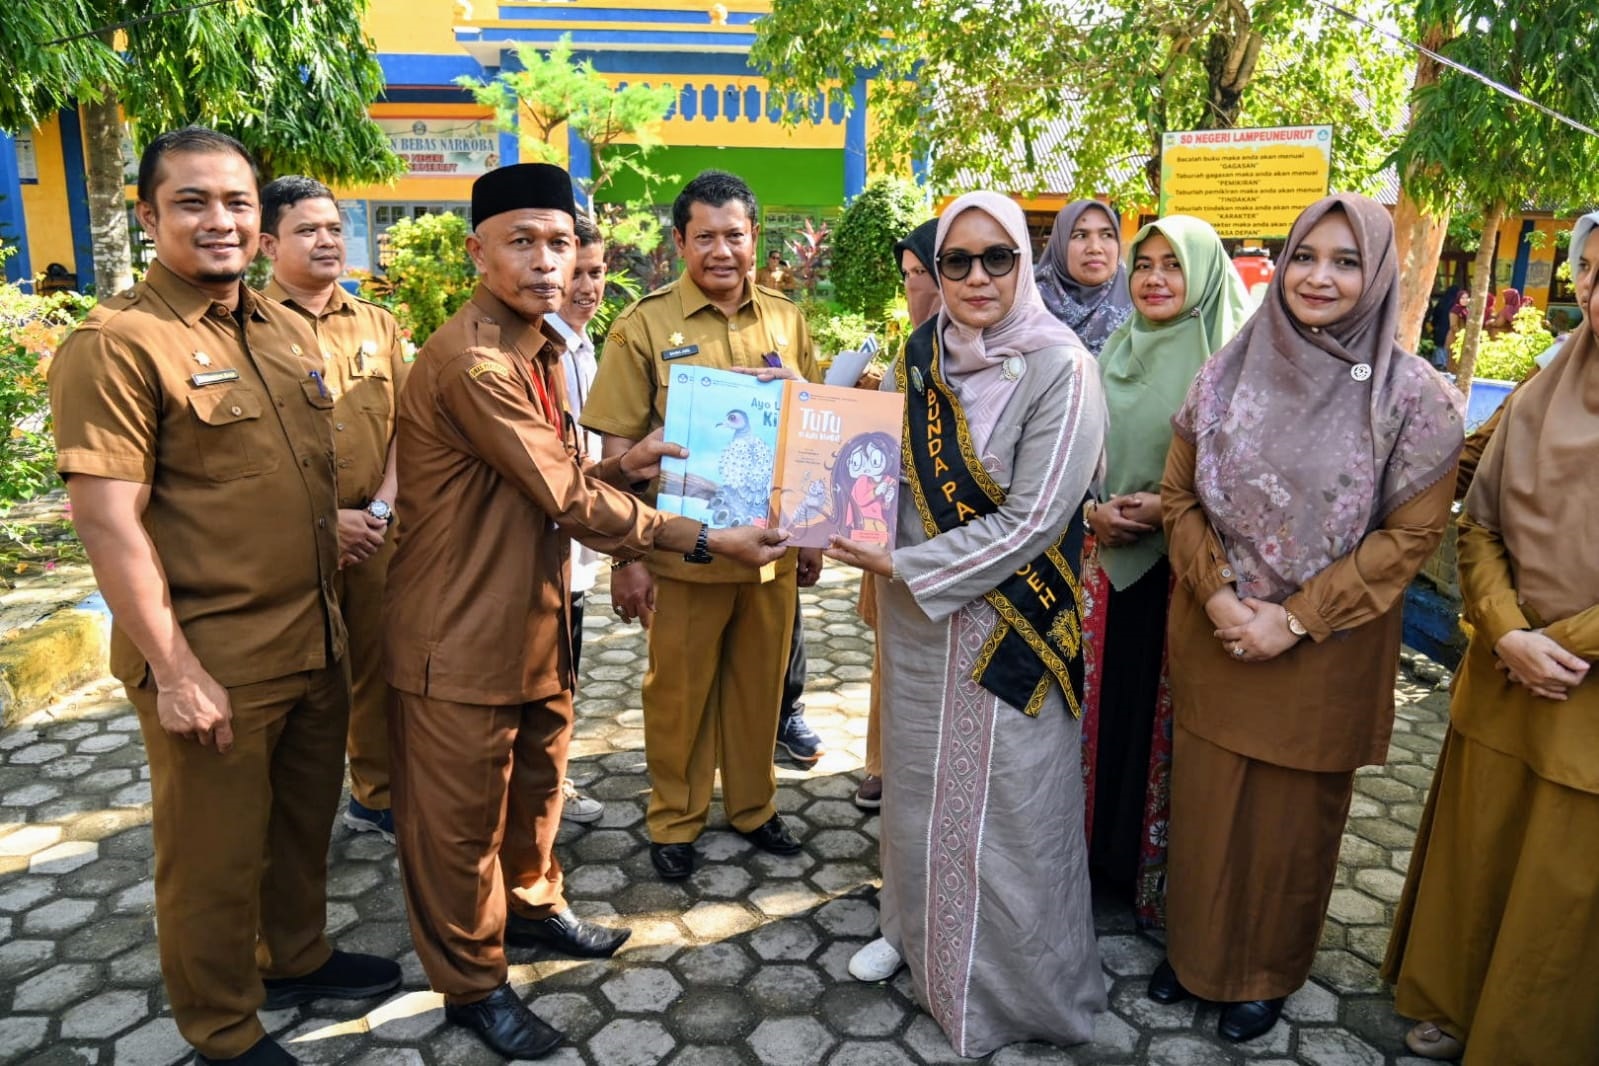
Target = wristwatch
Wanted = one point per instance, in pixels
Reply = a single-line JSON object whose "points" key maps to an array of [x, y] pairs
{"points": [[1295, 626], [381, 510], [702, 551]]}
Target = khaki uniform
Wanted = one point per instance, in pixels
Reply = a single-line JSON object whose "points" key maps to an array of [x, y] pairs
{"points": [[363, 363], [476, 636], [719, 645], [163, 387]]}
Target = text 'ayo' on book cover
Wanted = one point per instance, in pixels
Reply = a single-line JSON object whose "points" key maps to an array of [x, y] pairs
{"points": [[838, 465], [729, 423]]}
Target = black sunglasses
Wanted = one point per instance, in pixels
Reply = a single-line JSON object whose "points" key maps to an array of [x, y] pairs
{"points": [[997, 262]]}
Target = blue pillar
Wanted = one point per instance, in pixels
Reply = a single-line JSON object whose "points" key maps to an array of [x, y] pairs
{"points": [[13, 221], [1518, 273], [855, 142], [77, 196], [510, 149], [579, 164]]}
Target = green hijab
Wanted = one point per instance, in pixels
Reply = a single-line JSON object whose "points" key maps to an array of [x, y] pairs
{"points": [[1147, 368]]}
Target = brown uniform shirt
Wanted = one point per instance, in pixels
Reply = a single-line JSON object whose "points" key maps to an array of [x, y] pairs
{"points": [[164, 387], [629, 395], [492, 493], [363, 362]]}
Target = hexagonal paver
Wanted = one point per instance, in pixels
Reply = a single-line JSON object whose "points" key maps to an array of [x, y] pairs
{"points": [[64, 857], [58, 916], [21, 1035], [848, 918], [54, 988], [644, 989], [29, 839], [790, 940], [107, 1014], [717, 921], [791, 1041], [722, 963], [631, 1042]]}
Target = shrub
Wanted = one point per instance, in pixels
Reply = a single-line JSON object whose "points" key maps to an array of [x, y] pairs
{"points": [[1509, 355], [865, 275], [427, 276], [31, 328]]}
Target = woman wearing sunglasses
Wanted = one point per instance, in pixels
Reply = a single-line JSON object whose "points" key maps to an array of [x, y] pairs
{"points": [[1188, 301], [985, 887]]}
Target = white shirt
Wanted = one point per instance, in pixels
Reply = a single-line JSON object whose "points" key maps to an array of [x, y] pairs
{"points": [[580, 366]]}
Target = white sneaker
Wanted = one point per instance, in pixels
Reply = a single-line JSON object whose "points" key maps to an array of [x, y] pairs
{"points": [[877, 961], [578, 807]]}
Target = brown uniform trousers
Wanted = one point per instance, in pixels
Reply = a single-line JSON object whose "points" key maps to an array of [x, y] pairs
{"points": [[163, 387], [476, 634], [363, 363], [719, 645]]}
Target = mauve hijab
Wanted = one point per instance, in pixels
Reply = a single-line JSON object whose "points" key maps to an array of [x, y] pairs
{"points": [[974, 358], [1307, 438]]}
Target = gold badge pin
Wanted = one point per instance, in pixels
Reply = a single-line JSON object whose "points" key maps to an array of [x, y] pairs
{"points": [[326, 355], [295, 348], [675, 340], [202, 358]]}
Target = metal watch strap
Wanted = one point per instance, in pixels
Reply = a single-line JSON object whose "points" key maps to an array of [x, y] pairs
{"points": [[702, 551]]}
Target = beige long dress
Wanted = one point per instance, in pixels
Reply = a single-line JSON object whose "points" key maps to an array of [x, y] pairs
{"points": [[985, 882]]}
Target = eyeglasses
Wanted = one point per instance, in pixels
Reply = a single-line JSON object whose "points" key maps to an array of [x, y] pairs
{"points": [[997, 262]]}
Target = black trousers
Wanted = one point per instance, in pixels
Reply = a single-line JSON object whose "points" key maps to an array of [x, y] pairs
{"points": [[794, 680]]}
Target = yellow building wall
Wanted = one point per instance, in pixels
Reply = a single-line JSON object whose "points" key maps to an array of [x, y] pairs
{"points": [[420, 28], [45, 205], [1541, 263]]}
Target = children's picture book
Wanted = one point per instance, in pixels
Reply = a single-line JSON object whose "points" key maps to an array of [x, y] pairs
{"points": [[729, 423], [818, 460], [838, 465]]}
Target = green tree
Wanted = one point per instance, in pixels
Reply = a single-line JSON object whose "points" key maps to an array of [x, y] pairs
{"points": [[553, 90], [1473, 148], [290, 78], [428, 274], [974, 87], [865, 276]]}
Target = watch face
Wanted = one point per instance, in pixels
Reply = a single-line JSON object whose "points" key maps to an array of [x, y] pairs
{"points": [[379, 509]]}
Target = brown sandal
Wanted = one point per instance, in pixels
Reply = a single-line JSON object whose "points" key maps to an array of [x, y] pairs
{"points": [[1430, 1042]]}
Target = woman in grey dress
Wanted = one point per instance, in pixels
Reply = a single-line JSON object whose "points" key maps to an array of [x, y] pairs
{"points": [[985, 887]]}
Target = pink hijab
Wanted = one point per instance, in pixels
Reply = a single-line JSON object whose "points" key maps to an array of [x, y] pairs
{"points": [[974, 358], [1307, 438]]}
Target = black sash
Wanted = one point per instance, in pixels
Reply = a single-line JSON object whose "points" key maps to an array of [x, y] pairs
{"points": [[1039, 639]]}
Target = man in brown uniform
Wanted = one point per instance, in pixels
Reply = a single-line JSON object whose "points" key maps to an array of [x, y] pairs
{"points": [[199, 459], [476, 632], [721, 643], [363, 365]]}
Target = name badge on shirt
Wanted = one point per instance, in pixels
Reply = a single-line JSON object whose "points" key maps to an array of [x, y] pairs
{"points": [[213, 377], [678, 353]]}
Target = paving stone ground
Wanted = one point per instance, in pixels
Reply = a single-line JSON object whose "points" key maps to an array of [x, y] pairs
{"points": [[743, 964]]}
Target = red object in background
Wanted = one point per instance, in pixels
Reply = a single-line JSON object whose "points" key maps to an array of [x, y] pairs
{"points": [[1255, 267]]}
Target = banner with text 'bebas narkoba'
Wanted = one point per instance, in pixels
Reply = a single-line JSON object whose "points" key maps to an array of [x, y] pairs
{"points": [[1246, 183]]}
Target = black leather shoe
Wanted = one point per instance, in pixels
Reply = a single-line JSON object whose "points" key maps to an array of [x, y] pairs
{"points": [[672, 861], [773, 836], [1245, 1021], [503, 1022], [264, 1052], [345, 975], [566, 933], [1164, 986]]}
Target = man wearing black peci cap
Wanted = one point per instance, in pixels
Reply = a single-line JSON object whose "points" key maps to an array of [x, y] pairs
{"points": [[477, 636]]}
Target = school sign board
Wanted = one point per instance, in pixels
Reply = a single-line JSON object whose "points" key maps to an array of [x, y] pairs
{"points": [[1245, 183]]}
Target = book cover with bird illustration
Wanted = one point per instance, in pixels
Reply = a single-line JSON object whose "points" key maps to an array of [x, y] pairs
{"points": [[730, 424], [838, 465]]}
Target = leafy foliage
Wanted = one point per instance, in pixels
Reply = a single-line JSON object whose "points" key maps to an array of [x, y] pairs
{"points": [[31, 329], [865, 276], [974, 86], [429, 274], [1509, 355], [552, 91], [833, 328]]}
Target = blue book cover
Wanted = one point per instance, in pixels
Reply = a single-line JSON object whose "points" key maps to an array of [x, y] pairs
{"points": [[730, 424]]}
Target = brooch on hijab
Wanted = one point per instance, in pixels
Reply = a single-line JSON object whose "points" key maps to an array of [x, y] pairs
{"points": [[1360, 371], [1013, 367]]}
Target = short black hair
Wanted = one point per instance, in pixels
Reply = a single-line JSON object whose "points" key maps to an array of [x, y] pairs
{"points": [[588, 234], [280, 194], [187, 139], [712, 188]]}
